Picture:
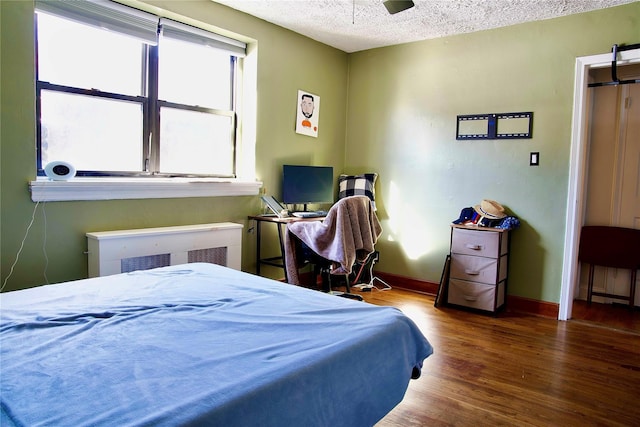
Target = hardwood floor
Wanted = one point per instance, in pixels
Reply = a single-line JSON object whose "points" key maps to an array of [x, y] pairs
{"points": [[613, 316], [516, 369]]}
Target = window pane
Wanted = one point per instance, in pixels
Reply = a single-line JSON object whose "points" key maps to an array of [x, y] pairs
{"points": [[77, 55], [194, 75], [91, 133], [194, 142]]}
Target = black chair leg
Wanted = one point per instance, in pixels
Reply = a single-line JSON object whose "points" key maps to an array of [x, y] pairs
{"points": [[351, 296], [326, 280]]}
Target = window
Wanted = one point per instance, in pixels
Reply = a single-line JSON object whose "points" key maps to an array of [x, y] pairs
{"points": [[124, 93]]}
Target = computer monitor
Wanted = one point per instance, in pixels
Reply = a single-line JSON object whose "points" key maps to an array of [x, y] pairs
{"points": [[307, 184]]}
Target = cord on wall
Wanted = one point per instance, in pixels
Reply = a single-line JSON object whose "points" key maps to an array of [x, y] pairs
{"points": [[44, 249]]}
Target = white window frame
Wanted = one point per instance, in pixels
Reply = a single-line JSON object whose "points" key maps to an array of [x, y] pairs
{"points": [[112, 188]]}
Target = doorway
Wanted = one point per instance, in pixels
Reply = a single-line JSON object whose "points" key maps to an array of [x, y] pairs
{"points": [[611, 194], [578, 174]]}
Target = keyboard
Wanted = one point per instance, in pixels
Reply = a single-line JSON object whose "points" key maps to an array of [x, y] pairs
{"points": [[310, 214]]}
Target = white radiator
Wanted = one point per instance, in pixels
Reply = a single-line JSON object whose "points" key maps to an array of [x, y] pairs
{"points": [[121, 251]]}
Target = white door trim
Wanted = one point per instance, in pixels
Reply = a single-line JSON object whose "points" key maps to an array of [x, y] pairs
{"points": [[577, 176]]}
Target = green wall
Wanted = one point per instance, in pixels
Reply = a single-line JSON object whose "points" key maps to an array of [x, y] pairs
{"points": [[390, 110], [402, 108], [286, 62]]}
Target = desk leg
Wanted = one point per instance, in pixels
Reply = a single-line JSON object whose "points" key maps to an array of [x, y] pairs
{"points": [[632, 289], [258, 234], [284, 264], [590, 284]]}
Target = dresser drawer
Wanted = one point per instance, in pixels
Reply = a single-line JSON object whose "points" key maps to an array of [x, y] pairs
{"points": [[478, 269], [476, 295], [478, 242]]}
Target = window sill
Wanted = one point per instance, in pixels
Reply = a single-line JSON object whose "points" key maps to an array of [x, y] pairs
{"points": [[45, 190]]}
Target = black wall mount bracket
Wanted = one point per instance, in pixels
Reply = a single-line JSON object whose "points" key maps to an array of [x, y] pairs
{"points": [[494, 126]]}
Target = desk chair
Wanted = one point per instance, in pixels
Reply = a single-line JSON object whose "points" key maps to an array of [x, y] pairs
{"points": [[347, 235], [363, 185], [614, 247]]}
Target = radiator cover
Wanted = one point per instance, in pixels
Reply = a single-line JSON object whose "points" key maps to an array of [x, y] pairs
{"points": [[121, 251]]}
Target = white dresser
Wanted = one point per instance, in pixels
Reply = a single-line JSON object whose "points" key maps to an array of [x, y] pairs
{"points": [[478, 271]]}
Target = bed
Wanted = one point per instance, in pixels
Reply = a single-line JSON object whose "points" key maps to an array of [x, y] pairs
{"points": [[200, 344]]}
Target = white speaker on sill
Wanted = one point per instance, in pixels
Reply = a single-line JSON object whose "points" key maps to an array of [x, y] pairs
{"points": [[59, 171]]}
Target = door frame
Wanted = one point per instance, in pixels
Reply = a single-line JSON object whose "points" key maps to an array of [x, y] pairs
{"points": [[576, 194]]}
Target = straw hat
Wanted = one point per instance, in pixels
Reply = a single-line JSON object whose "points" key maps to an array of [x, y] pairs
{"points": [[490, 209]]}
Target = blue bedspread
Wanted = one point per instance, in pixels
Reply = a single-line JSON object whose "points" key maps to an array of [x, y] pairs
{"points": [[200, 344]]}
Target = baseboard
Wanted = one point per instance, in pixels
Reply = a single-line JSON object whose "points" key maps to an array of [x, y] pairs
{"points": [[514, 303], [409, 283], [532, 306]]}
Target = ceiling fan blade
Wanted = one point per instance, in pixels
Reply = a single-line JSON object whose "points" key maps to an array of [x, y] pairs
{"points": [[395, 6]]}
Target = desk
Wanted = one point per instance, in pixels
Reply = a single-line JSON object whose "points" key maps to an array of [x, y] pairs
{"points": [[276, 261], [611, 247]]}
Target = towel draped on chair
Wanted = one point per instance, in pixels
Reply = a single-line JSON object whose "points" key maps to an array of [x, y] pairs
{"points": [[348, 234]]}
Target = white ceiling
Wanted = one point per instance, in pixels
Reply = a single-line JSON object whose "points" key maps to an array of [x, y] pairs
{"points": [[354, 25]]}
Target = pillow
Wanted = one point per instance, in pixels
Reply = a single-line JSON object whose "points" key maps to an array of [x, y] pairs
{"points": [[358, 185]]}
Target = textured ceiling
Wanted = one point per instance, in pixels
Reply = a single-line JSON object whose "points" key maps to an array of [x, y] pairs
{"points": [[354, 25]]}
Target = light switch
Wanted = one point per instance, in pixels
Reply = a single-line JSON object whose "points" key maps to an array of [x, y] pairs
{"points": [[534, 159]]}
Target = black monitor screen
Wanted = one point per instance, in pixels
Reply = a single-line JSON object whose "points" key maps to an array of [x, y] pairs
{"points": [[307, 184]]}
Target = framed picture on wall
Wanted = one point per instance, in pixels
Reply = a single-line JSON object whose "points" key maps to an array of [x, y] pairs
{"points": [[308, 107]]}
